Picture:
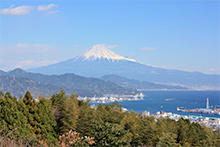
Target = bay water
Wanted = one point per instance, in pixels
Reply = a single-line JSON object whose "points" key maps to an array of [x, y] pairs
{"points": [[168, 101]]}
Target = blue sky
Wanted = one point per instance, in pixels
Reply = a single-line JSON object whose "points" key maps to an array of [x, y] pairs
{"points": [[181, 35]]}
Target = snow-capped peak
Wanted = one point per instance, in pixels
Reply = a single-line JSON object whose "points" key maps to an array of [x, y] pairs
{"points": [[99, 51]]}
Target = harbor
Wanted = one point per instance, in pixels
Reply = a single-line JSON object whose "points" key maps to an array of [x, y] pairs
{"points": [[206, 110], [109, 98], [211, 122]]}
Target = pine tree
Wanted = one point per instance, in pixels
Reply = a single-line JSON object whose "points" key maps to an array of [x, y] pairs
{"points": [[69, 114], [131, 123], [149, 135], [85, 119], [115, 114], [33, 116], [12, 119], [47, 121], [58, 102], [110, 134], [167, 140], [217, 138], [66, 111]]}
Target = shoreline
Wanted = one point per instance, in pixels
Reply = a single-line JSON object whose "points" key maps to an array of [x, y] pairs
{"points": [[145, 90]]}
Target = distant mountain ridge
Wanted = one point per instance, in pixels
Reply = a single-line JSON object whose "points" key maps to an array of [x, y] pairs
{"points": [[100, 61], [19, 85], [142, 86], [80, 85]]}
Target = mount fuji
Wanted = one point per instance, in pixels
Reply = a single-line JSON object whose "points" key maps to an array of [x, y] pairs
{"points": [[100, 61]]}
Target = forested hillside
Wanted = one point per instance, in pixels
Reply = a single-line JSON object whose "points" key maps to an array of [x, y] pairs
{"points": [[64, 120], [19, 85], [42, 84]]}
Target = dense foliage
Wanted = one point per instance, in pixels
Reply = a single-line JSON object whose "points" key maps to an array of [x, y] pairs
{"points": [[65, 120]]}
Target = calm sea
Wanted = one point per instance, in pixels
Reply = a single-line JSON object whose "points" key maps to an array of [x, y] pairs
{"points": [[155, 101]]}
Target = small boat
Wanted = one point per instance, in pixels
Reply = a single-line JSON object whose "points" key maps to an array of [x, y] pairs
{"points": [[171, 99]]}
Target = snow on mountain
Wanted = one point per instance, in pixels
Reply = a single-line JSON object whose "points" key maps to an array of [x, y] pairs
{"points": [[100, 61], [101, 52]]}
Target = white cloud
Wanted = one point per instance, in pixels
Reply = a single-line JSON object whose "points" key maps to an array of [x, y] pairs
{"points": [[21, 45], [46, 7], [27, 55], [148, 48], [21, 10], [33, 63]]}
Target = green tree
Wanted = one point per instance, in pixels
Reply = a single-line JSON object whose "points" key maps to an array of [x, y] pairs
{"points": [[12, 119], [109, 134], [47, 121], [115, 114], [69, 114], [217, 138], [189, 134], [33, 116], [85, 119], [167, 140], [58, 102], [182, 132], [131, 123], [149, 128], [208, 138], [101, 114]]}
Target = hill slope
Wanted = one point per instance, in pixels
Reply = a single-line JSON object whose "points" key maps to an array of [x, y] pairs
{"points": [[18, 86], [87, 86], [130, 83]]}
